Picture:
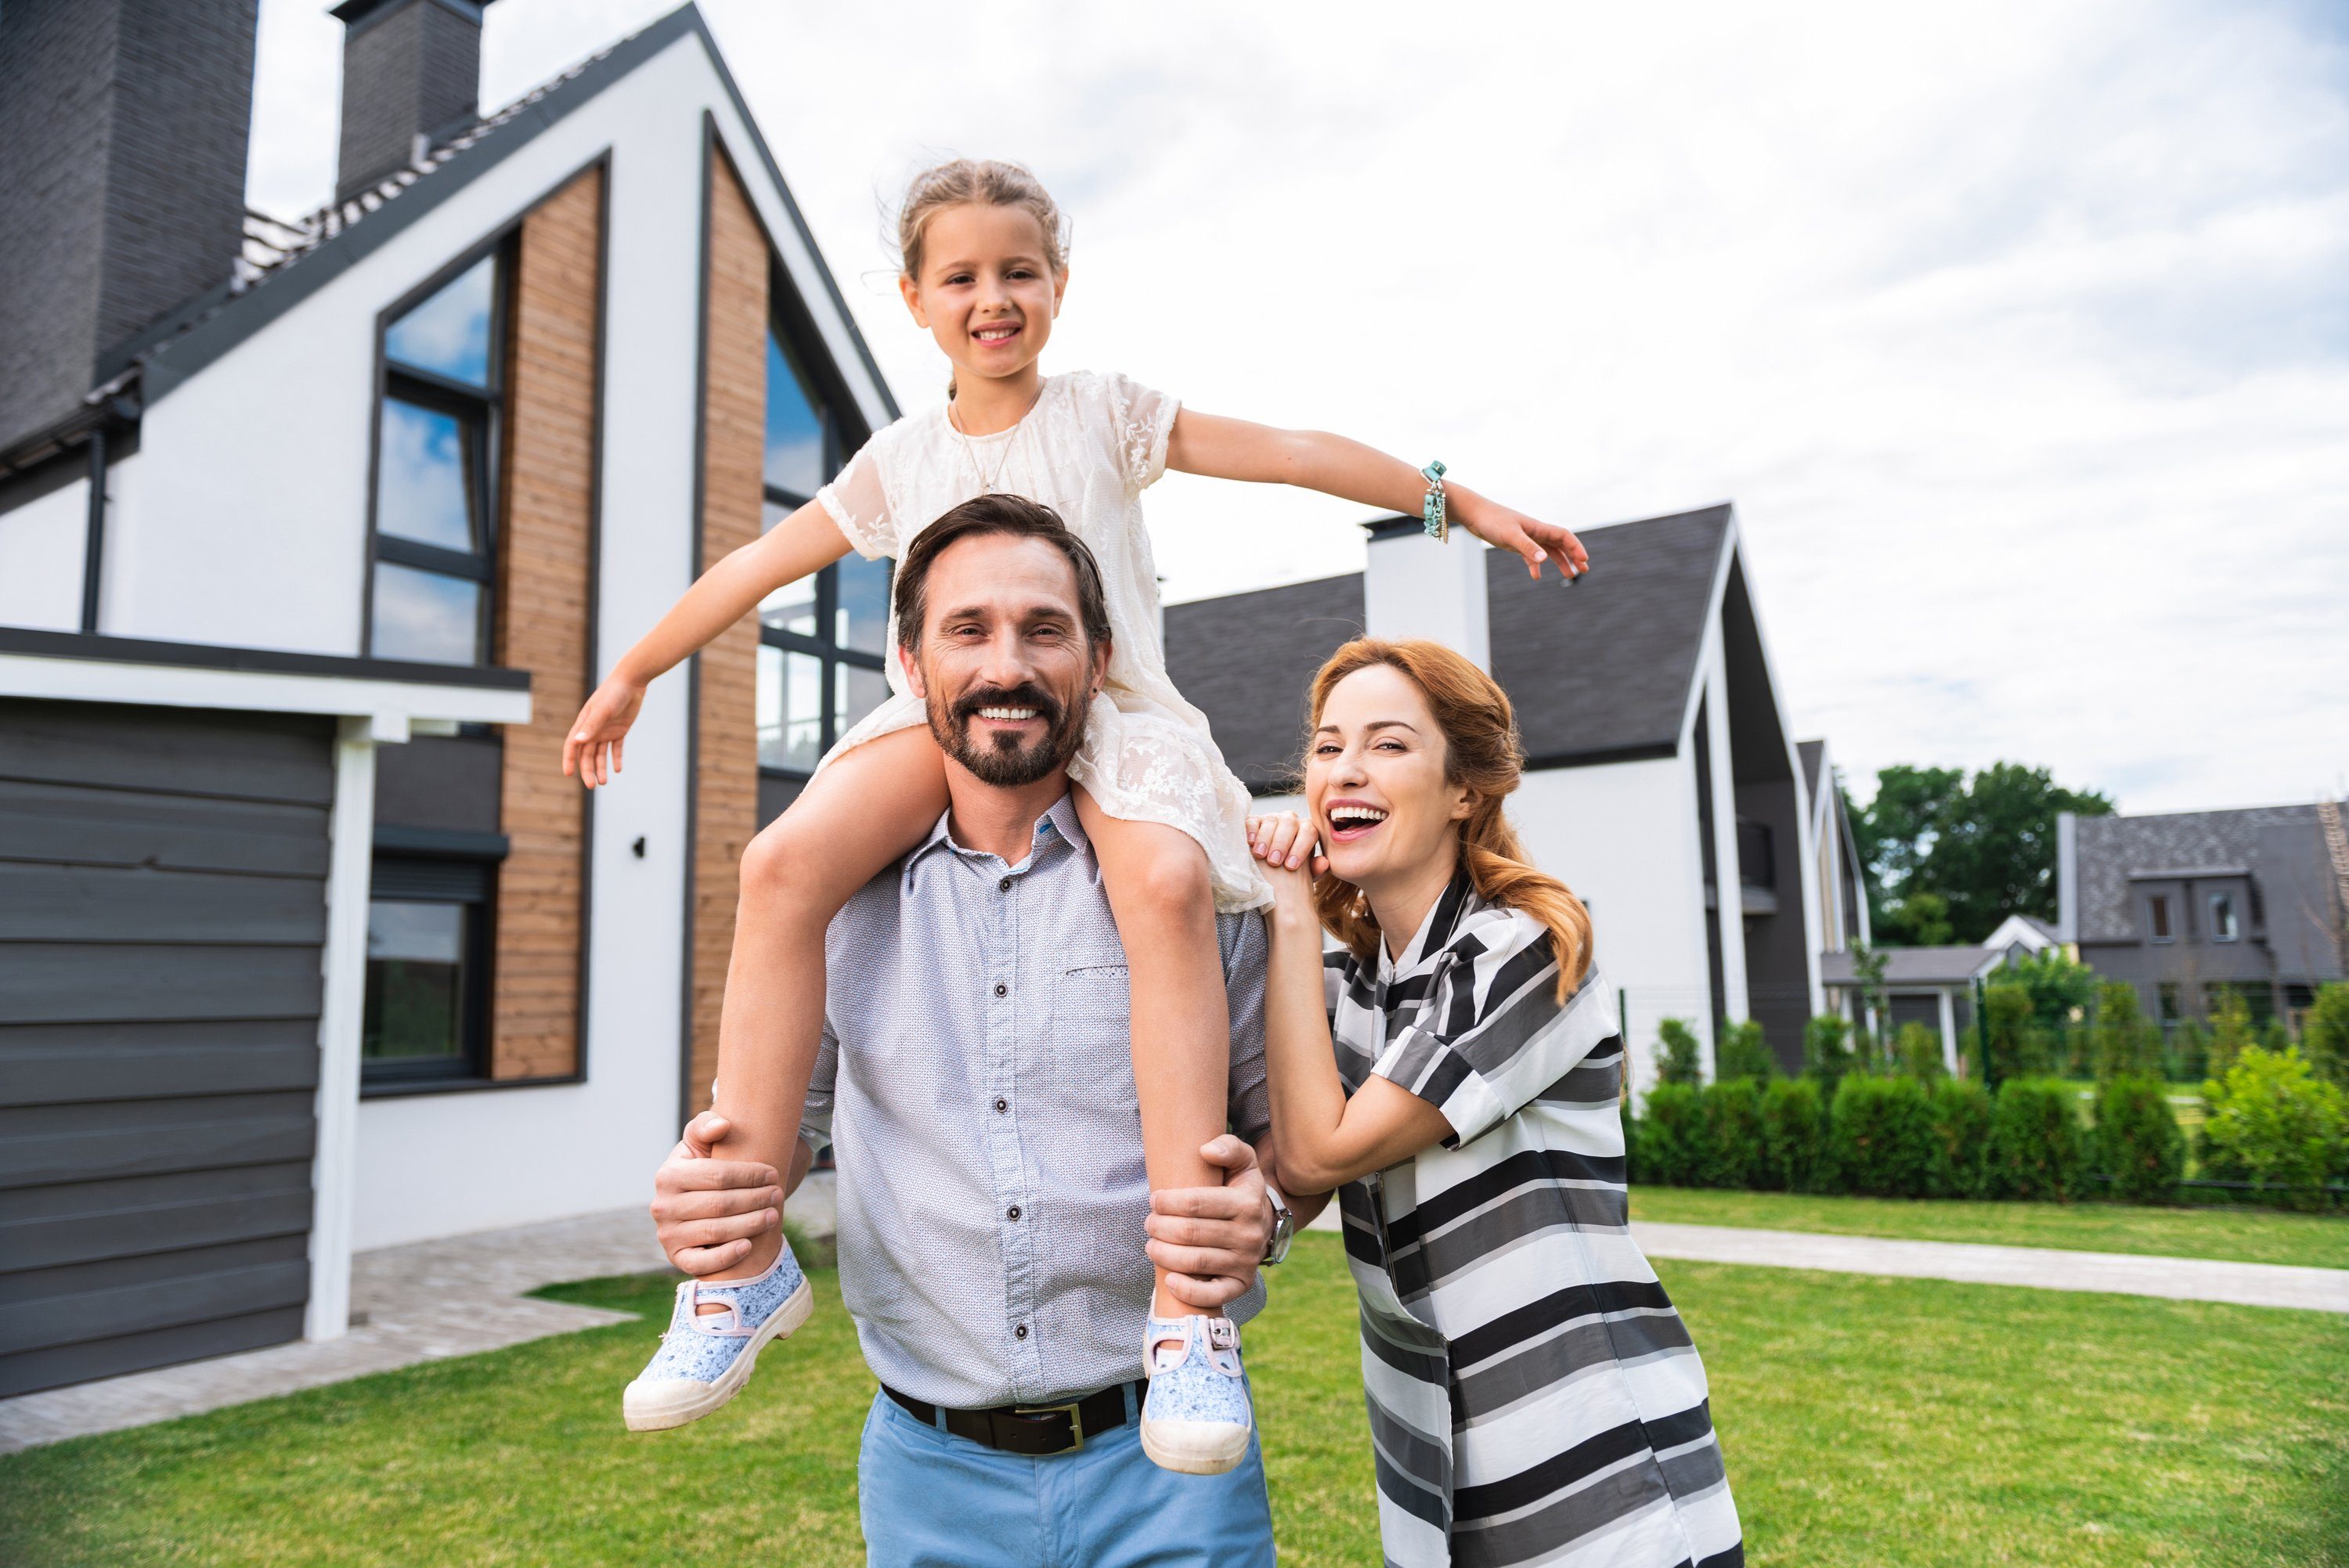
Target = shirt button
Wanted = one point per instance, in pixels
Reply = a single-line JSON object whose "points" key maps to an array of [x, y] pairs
{"points": [[1001, 1105], [1003, 886], [1021, 1332], [1001, 989], [1013, 1213]]}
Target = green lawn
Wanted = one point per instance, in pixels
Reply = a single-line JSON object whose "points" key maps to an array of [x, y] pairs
{"points": [[1865, 1422], [2237, 1236]]}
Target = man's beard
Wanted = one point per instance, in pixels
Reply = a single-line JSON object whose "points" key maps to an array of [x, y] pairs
{"points": [[1007, 763]]}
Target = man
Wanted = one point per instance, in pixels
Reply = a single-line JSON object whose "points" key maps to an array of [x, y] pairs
{"points": [[976, 1072]]}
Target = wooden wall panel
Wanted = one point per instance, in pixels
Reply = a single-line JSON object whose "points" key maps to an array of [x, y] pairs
{"points": [[726, 775], [542, 623]]}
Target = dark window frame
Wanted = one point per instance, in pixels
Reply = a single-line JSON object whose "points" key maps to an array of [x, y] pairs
{"points": [[788, 324], [2223, 901], [479, 412], [2159, 926], [471, 883]]}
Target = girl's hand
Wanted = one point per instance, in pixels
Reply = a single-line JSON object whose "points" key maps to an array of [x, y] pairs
{"points": [[1537, 542], [592, 751], [1284, 842]]}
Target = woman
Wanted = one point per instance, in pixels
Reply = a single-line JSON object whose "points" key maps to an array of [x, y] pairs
{"points": [[1456, 1071]]}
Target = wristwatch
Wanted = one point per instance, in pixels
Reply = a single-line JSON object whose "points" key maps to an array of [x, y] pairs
{"points": [[1284, 1225]]}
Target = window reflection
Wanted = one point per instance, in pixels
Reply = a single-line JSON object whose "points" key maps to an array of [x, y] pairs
{"points": [[425, 615], [448, 334], [791, 608], [415, 981], [795, 426], [790, 710], [857, 691], [860, 618], [424, 480]]}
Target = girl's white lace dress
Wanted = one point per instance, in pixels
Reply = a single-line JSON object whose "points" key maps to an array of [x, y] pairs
{"points": [[1088, 449]]}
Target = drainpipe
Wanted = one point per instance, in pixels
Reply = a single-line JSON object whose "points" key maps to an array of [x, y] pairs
{"points": [[94, 541]]}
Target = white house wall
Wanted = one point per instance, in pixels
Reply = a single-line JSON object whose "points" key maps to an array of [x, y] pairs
{"points": [[41, 552]]}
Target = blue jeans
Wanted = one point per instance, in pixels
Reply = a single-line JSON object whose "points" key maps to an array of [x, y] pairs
{"points": [[932, 1499]]}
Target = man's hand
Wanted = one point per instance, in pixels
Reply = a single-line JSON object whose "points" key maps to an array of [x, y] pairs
{"points": [[709, 1210], [1210, 1239]]}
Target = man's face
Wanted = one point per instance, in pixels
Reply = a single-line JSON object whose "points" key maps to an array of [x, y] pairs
{"points": [[1003, 665]]}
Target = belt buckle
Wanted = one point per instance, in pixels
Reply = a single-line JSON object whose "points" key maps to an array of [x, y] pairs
{"points": [[1076, 1419]]}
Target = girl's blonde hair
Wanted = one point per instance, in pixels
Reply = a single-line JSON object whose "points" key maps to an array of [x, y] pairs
{"points": [[1481, 754], [983, 182]]}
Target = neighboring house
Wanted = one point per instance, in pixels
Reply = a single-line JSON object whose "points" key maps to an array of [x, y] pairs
{"points": [[1842, 877], [1661, 767], [1935, 985], [2183, 904], [313, 537]]}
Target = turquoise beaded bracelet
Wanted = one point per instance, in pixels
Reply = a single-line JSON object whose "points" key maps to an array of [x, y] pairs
{"points": [[1431, 509]]}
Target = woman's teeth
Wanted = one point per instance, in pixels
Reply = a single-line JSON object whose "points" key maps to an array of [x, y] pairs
{"points": [[1007, 715], [1356, 816]]}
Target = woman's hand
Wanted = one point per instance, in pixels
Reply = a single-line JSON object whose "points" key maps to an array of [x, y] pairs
{"points": [[593, 749], [1537, 542], [1283, 840]]}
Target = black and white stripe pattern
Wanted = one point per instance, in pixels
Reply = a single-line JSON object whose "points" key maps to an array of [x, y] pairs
{"points": [[1534, 1397]]}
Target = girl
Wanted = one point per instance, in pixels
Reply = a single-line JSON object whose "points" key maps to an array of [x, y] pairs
{"points": [[1455, 1070], [985, 270]]}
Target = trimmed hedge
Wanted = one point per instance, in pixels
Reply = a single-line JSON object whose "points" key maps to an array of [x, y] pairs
{"points": [[1960, 1110], [2035, 1148], [1793, 1137], [1670, 1138], [1729, 1134], [2137, 1143], [1879, 1136]]}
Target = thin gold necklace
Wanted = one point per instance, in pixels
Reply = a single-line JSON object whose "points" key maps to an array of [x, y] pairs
{"points": [[986, 480]]}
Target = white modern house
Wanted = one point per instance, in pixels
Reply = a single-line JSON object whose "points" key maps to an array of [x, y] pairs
{"points": [[1663, 782], [313, 535]]}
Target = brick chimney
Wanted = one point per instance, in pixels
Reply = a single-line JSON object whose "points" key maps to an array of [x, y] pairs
{"points": [[412, 76], [122, 147]]}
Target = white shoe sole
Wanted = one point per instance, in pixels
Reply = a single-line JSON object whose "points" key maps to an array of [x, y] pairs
{"points": [[1194, 1448], [677, 1402]]}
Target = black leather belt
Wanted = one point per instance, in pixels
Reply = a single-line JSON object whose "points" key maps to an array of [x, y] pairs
{"points": [[1032, 1431]]}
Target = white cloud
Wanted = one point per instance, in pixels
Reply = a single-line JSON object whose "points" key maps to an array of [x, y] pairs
{"points": [[2017, 332]]}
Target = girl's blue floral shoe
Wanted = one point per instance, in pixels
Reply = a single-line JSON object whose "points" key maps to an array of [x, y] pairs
{"points": [[1198, 1419], [705, 1357]]}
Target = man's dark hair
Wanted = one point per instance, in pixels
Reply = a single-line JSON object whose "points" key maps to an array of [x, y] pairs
{"points": [[988, 514]]}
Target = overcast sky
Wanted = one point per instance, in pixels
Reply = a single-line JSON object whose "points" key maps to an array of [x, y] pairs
{"points": [[2018, 332]]}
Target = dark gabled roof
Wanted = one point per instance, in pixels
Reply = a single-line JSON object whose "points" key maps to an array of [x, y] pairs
{"points": [[1598, 673], [285, 264], [1909, 965], [2281, 846], [1813, 753], [1246, 659], [1601, 671]]}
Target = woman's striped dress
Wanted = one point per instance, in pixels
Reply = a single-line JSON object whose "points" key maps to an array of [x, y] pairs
{"points": [[1534, 1397]]}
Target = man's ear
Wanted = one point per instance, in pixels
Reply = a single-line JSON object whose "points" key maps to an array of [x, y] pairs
{"points": [[912, 669], [1100, 666], [912, 293]]}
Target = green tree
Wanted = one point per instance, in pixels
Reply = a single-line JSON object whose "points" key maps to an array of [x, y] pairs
{"points": [[2060, 988], [1917, 1053], [1949, 857], [1895, 833], [2122, 1035], [1743, 1054], [2006, 1027], [2324, 1034], [1680, 1057], [1827, 1051], [1868, 967], [2230, 1030]]}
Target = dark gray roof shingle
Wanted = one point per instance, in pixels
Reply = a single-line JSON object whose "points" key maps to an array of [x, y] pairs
{"points": [[1246, 660], [1909, 965], [2280, 845]]}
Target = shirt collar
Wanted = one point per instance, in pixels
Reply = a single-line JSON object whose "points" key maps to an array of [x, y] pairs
{"points": [[1060, 818]]}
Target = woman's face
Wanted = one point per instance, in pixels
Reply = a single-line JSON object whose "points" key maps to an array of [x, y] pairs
{"points": [[987, 293], [1374, 782]]}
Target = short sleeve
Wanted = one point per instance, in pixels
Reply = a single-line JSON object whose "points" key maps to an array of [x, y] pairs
{"points": [[859, 502], [1142, 420], [1246, 957], [1493, 1035]]}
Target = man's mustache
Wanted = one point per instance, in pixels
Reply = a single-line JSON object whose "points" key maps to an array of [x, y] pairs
{"points": [[1025, 694]]}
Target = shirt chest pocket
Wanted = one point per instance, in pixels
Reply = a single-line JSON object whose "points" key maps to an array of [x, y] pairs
{"points": [[1091, 1046]]}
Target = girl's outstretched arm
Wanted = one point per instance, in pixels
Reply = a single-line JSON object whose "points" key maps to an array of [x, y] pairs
{"points": [[1225, 448], [1323, 1138], [804, 543]]}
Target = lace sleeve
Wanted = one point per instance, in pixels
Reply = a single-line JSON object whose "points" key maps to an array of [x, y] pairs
{"points": [[859, 502], [1142, 419]]}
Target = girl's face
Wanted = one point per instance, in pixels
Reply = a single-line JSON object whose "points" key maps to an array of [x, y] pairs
{"points": [[985, 290], [1374, 782]]}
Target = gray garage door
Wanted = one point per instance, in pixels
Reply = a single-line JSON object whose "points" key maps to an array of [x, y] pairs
{"points": [[163, 904]]}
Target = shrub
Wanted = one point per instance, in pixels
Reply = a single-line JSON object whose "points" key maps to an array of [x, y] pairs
{"points": [[1917, 1051], [1794, 1136], [1827, 1051], [1960, 1112], [1679, 1058], [2189, 1052], [1730, 1118], [2231, 1029], [2275, 1124], [2136, 1139], [1880, 1136], [2324, 1034], [1671, 1136], [1743, 1054], [2061, 989], [2124, 1041], [2035, 1149], [2008, 1029]]}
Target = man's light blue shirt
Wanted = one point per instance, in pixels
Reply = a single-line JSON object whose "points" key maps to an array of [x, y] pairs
{"points": [[976, 1081]]}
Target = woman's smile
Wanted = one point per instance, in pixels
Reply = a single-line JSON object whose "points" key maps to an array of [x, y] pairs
{"points": [[1351, 819]]}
